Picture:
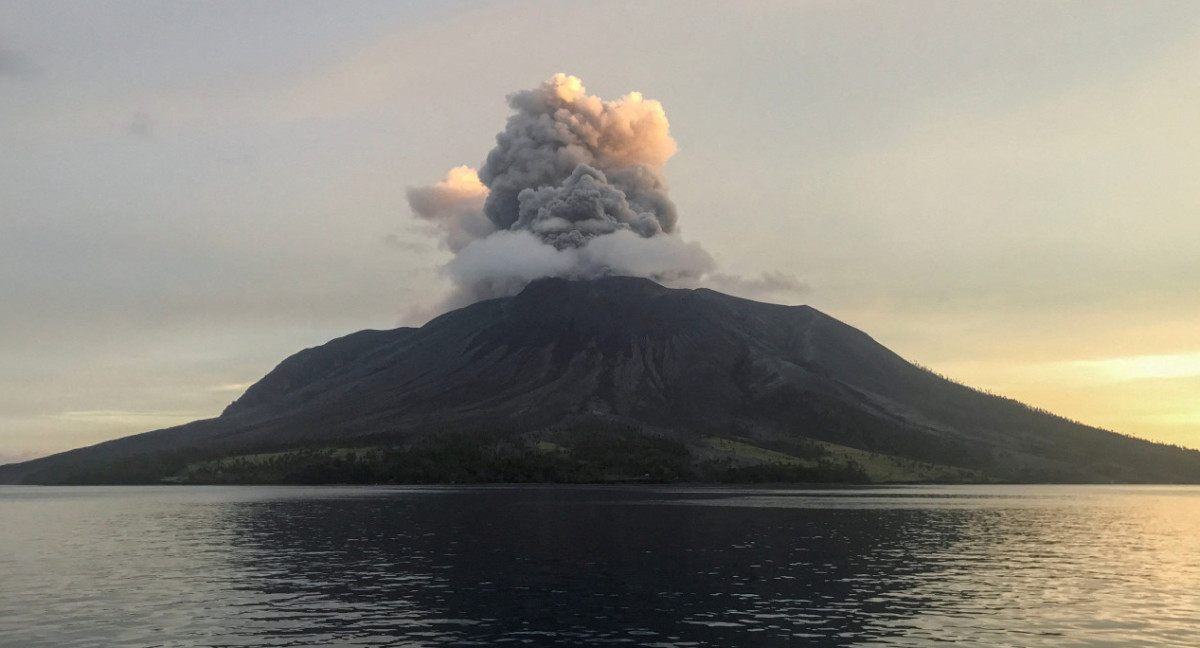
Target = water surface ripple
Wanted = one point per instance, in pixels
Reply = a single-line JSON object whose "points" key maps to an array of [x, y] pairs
{"points": [[566, 566]]}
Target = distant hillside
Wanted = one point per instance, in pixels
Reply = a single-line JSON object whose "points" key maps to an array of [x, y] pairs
{"points": [[615, 379]]}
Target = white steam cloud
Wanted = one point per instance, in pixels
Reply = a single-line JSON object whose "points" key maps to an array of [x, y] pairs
{"points": [[573, 188]]}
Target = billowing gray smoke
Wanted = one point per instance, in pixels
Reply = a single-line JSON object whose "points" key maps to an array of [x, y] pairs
{"points": [[573, 189]]}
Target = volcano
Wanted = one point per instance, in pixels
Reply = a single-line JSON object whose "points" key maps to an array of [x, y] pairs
{"points": [[616, 378]]}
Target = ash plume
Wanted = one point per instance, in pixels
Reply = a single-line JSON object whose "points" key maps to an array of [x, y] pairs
{"points": [[573, 188]]}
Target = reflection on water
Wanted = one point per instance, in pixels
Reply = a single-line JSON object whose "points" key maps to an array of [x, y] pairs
{"points": [[549, 566]]}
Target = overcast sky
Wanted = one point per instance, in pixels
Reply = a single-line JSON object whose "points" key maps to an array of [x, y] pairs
{"points": [[1005, 192]]}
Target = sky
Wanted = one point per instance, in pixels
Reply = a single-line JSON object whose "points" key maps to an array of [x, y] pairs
{"points": [[1003, 192]]}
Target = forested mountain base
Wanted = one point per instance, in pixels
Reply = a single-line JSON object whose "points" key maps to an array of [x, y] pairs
{"points": [[588, 452]]}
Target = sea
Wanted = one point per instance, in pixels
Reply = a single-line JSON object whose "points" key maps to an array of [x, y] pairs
{"points": [[660, 566]]}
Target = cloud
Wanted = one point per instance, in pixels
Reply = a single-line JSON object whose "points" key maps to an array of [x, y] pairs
{"points": [[767, 285], [142, 125], [230, 387], [563, 143], [573, 188], [503, 263], [1141, 367], [14, 63], [455, 205], [398, 242]]}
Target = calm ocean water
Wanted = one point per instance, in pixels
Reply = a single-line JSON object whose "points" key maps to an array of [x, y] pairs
{"points": [[573, 566]]}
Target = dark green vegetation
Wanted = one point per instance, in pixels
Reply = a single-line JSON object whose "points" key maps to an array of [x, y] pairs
{"points": [[616, 379], [593, 451]]}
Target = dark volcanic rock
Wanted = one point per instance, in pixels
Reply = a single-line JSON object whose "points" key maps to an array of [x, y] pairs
{"points": [[619, 347], [679, 364]]}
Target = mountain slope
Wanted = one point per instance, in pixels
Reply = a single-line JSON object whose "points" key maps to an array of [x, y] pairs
{"points": [[564, 365]]}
